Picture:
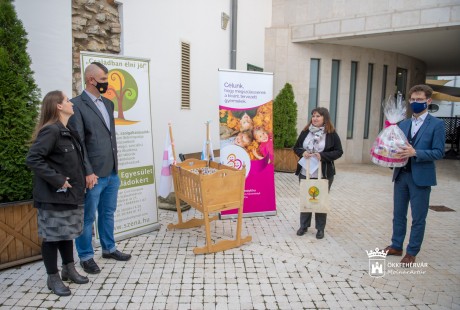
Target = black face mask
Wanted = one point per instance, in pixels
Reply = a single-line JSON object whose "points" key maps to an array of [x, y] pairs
{"points": [[102, 87]]}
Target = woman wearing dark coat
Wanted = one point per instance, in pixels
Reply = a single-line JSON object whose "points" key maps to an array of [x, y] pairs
{"points": [[56, 159], [319, 142]]}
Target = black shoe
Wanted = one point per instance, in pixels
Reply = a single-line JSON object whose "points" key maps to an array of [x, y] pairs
{"points": [[117, 255], [320, 234], [90, 266], [301, 231]]}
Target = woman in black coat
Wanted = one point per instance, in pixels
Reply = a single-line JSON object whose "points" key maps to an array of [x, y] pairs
{"points": [[56, 159], [319, 142]]}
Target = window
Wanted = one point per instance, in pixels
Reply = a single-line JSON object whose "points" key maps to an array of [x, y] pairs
{"points": [[401, 81], [334, 90], [352, 99], [250, 67], [367, 116], [314, 85], [185, 75], [384, 95]]}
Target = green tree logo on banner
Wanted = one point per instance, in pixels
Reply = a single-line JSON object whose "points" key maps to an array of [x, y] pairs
{"points": [[123, 91]]}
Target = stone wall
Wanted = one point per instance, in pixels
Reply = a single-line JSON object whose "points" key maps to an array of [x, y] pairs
{"points": [[95, 28]]}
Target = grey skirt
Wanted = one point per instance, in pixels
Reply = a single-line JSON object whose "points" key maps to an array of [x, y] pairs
{"points": [[60, 225]]}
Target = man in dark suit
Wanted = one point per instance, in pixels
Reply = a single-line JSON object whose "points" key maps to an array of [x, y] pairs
{"points": [[94, 121], [412, 183]]}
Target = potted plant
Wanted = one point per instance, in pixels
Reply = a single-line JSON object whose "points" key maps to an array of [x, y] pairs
{"points": [[19, 100], [284, 129]]}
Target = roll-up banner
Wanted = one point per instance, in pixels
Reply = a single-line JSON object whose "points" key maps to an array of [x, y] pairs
{"points": [[246, 136], [129, 90]]}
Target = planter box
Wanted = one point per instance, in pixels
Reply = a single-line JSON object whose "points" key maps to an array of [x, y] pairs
{"points": [[285, 160], [19, 242]]}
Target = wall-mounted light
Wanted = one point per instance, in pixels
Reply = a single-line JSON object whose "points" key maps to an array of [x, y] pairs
{"points": [[224, 18]]}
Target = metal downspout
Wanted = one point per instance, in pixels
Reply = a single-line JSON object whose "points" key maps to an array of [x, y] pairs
{"points": [[234, 34]]}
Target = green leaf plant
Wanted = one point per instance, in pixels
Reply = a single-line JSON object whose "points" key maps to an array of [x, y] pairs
{"points": [[19, 102], [284, 118]]}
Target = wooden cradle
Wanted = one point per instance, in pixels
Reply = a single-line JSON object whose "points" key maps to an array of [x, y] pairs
{"points": [[208, 193]]}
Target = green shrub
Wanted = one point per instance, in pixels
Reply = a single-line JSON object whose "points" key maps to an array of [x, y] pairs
{"points": [[19, 100], [284, 118]]}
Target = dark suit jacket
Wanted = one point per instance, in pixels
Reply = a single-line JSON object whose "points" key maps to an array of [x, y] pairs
{"points": [[429, 145], [100, 145]]}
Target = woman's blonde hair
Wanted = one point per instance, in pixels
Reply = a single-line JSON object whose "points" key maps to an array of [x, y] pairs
{"points": [[49, 113]]}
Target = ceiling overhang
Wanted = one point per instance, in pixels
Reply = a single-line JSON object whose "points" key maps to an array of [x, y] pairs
{"points": [[438, 48]]}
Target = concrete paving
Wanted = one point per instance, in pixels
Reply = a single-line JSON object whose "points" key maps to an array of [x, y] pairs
{"points": [[278, 269]]}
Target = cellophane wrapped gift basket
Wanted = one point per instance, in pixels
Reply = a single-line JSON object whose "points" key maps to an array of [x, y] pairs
{"points": [[391, 138]]}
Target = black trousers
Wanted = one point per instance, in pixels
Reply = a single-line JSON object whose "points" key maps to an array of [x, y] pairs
{"points": [[320, 218], [49, 253]]}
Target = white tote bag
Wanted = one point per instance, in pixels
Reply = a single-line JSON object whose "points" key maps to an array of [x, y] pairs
{"points": [[314, 193]]}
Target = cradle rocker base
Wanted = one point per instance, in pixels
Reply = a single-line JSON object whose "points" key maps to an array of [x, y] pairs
{"points": [[221, 246], [194, 222], [209, 193]]}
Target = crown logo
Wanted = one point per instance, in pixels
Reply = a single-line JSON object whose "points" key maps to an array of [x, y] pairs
{"points": [[376, 253]]}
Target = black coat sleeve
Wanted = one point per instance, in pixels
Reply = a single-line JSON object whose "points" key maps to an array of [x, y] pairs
{"points": [[38, 153], [334, 150]]}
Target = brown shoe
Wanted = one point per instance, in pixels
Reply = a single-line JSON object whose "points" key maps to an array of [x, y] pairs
{"points": [[391, 251], [407, 261]]}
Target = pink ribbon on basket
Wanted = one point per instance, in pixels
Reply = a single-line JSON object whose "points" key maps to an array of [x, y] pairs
{"points": [[387, 159], [388, 124]]}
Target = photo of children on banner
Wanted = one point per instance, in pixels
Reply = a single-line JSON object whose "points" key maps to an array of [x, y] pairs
{"points": [[384, 151], [237, 128], [242, 139], [250, 129], [265, 140]]}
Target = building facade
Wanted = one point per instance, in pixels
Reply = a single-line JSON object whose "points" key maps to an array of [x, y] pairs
{"points": [[349, 56], [158, 31]]}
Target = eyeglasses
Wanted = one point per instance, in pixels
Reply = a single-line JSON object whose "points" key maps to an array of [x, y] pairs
{"points": [[411, 100]]}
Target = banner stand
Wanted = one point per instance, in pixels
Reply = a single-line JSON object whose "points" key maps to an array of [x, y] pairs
{"points": [[129, 90], [127, 235], [246, 136]]}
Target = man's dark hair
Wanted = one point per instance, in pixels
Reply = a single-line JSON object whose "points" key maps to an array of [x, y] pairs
{"points": [[422, 87], [103, 68]]}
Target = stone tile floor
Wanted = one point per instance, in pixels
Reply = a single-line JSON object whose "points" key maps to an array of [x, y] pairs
{"points": [[278, 269]]}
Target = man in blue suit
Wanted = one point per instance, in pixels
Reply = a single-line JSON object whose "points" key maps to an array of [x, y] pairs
{"points": [[94, 121], [412, 183]]}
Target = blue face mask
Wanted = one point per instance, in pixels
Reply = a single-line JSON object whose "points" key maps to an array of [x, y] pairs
{"points": [[418, 107]]}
